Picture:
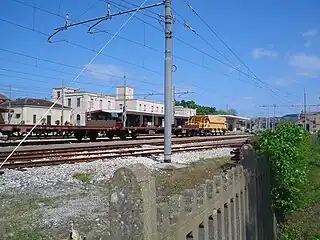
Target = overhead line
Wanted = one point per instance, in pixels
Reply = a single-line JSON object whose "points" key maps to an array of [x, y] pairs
{"points": [[81, 72], [187, 25], [76, 44], [229, 48]]}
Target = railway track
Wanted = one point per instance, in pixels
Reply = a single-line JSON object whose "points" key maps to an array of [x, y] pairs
{"points": [[31, 142], [76, 154]]}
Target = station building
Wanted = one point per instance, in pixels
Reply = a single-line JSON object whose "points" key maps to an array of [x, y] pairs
{"points": [[312, 121], [139, 112], [236, 123], [30, 110]]}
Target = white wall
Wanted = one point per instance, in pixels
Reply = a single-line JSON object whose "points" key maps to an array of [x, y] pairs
{"points": [[88, 102], [26, 114], [188, 112], [141, 106], [120, 93]]}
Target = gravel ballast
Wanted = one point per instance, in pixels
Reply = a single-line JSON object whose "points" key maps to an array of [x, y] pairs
{"points": [[99, 171], [44, 201]]}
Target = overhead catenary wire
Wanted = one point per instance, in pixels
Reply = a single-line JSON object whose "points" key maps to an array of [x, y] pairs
{"points": [[188, 26], [157, 28], [229, 48], [75, 79], [86, 48], [66, 65]]}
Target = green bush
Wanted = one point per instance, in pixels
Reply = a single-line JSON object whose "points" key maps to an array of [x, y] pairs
{"points": [[288, 148]]}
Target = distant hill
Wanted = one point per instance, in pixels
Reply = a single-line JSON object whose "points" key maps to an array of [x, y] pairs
{"points": [[289, 118]]}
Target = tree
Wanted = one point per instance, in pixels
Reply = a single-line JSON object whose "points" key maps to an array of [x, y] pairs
{"points": [[201, 110], [232, 111]]}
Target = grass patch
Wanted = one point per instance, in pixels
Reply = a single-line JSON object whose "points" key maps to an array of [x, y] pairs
{"points": [[83, 177], [170, 182], [18, 217], [305, 224]]}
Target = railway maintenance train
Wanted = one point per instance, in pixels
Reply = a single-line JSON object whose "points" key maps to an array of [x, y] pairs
{"points": [[200, 125]]}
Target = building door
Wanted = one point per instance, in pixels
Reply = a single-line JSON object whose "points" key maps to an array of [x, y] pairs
{"points": [[48, 119]]}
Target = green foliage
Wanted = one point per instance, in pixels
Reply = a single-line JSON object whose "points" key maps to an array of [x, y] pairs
{"points": [[83, 177], [203, 110], [304, 224], [288, 148], [232, 111]]}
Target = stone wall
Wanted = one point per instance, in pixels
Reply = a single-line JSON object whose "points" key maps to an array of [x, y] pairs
{"points": [[234, 205]]}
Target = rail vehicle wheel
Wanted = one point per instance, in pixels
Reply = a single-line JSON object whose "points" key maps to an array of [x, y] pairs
{"points": [[122, 135], [93, 135], [79, 135], [110, 135], [134, 135]]}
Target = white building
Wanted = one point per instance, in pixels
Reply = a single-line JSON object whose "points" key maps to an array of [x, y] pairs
{"points": [[147, 112], [139, 111], [82, 102], [30, 110]]}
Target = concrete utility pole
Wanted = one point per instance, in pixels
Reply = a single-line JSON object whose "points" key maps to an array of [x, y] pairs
{"points": [[62, 103], [305, 108], [168, 82], [124, 109], [173, 104]]}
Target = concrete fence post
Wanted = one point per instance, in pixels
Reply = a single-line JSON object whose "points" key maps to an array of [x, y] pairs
{"points": [[132, 210]]}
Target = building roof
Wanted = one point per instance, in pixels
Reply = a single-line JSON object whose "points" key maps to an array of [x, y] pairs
{"points": [[34, 102], [233, 116], [3, 97]]}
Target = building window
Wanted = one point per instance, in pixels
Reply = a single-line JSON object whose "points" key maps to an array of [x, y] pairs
{"points": [[120, 106], [49, 119], [162, 109], [140, 106], [109, 104], [69, 102], [100, 104], [91, 103], [157, 109], [151, 108], [78, 102], [144, 107], [34, 118], [78, 119], [18, 115], [58, 94]]}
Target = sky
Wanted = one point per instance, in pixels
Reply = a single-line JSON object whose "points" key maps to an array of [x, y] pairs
{"points": [[277, 41]]}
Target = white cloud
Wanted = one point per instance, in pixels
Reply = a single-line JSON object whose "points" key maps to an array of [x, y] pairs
{"points": [[283, 81], [307, 44], [310, 33], [261, 52], [306, 65], [105, 72]]}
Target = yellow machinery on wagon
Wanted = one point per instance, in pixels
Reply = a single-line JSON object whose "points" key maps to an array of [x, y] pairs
{"points": [[208, 123]]}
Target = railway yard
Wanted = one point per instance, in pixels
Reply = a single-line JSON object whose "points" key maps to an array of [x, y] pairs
{"points": [[53, 184]]}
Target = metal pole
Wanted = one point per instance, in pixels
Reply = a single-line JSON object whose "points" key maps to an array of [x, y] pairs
{"points": [[268, 121], [124, 112], [153, 118], [274, 118], [168, 82], [9, 112], [62, 103], [305, 108]]}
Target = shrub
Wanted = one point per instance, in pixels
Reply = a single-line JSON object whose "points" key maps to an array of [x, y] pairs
{"points": [[288, 148]]}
